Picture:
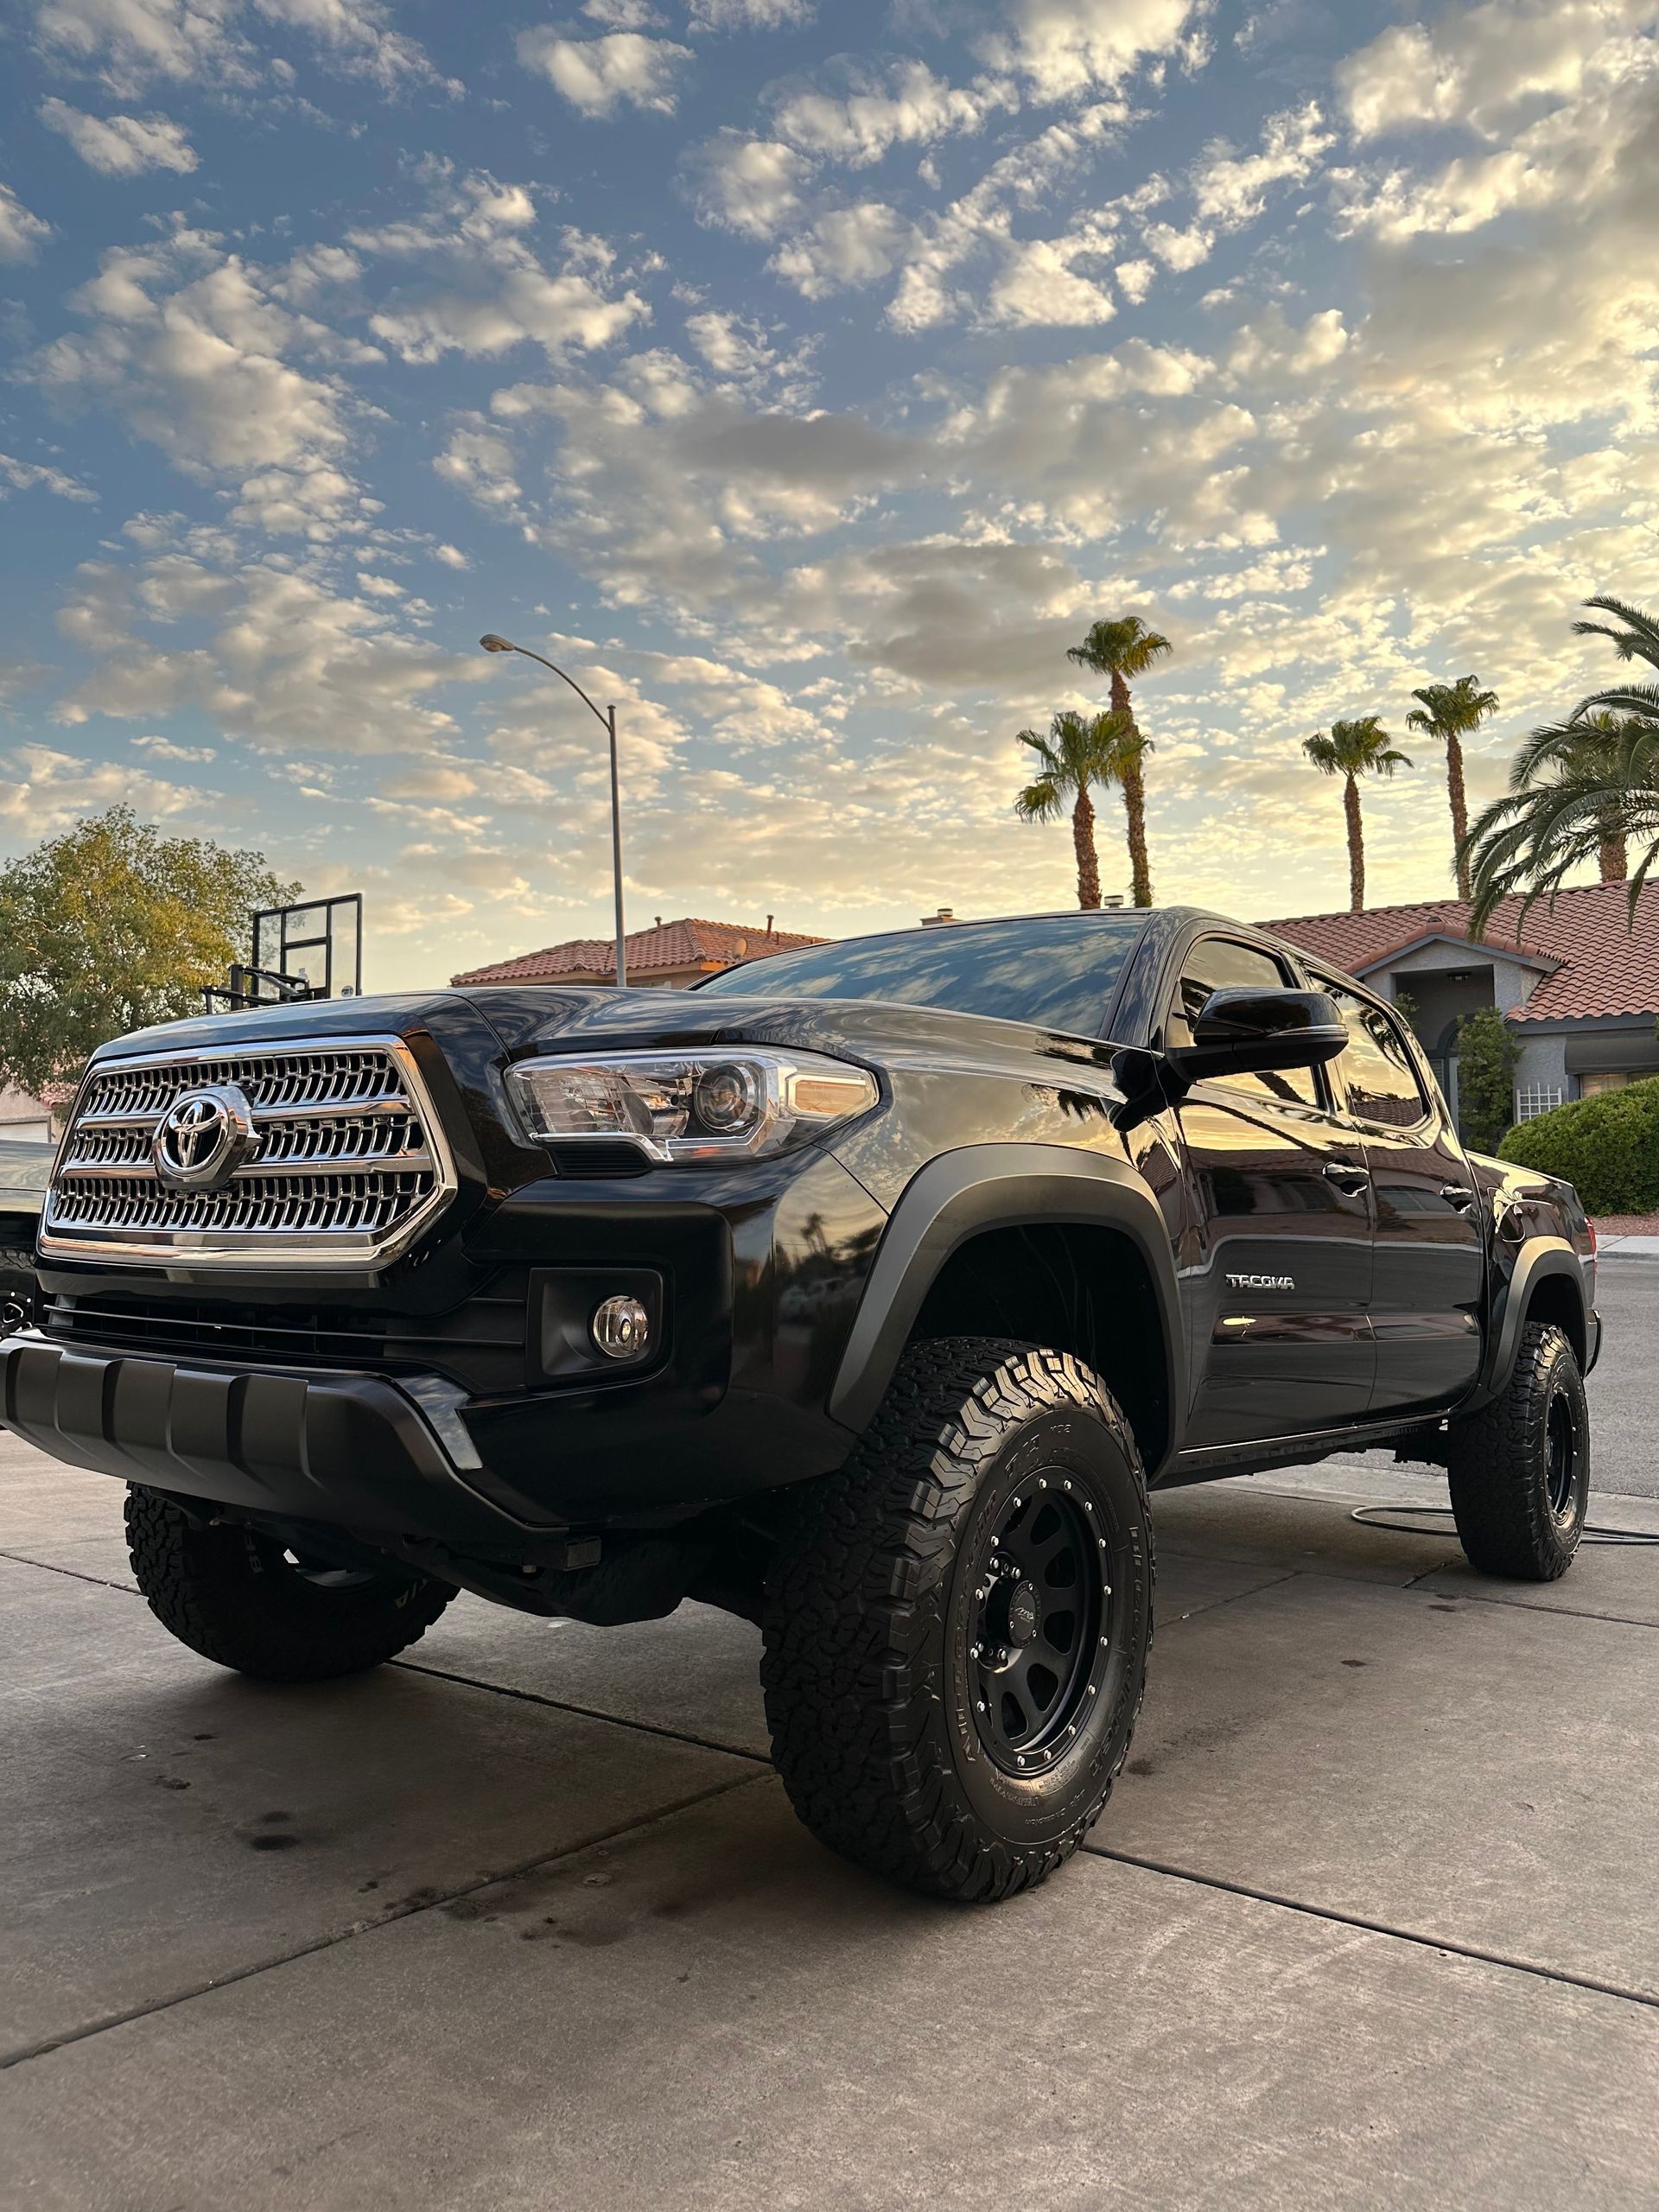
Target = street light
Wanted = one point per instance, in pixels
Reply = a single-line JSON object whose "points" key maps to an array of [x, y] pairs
{"points": [[492, 643]]}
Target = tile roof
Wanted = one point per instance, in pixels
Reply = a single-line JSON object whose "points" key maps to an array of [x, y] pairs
{"points": [[1603, 966], [669, 949]]}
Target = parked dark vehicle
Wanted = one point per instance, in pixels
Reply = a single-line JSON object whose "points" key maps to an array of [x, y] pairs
{"points": [[25, 1169], [864, 1291]]}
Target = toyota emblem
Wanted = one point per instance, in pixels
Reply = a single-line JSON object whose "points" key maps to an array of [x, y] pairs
{"points": [[205, 1135]]}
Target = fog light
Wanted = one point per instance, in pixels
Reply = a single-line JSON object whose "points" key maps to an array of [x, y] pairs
{"points": [[621, 1328]]}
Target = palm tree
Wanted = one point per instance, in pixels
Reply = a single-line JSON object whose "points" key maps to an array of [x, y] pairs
{"points": [[1451, 712], [1119, 650], [1079, 750], [1581, 790], [1578, 792], [1354, 749]]}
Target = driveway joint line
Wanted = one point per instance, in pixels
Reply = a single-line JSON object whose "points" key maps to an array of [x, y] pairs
{"points": [[75, 1574], [1449, 1944], [408, 1911], [587, 1712]]}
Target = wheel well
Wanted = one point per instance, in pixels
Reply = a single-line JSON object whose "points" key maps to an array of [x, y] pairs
{"points": [[1074, 1287], [1558, 1298]]}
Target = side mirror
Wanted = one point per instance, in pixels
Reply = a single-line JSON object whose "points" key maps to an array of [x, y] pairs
{"points": [[1249, 1032]]}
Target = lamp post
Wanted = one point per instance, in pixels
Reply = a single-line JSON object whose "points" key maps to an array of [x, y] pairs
{"points": [[492, 643]]}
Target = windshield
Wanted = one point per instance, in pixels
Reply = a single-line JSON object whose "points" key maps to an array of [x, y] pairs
{"points": [[1058, 971]]}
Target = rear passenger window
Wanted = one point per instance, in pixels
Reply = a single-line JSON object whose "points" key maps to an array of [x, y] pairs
{"points": [[1218, 963], [1376, 1072]]}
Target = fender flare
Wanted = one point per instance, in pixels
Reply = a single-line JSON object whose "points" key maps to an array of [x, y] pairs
{"points": [[985, 1186], [1538, 1258]]}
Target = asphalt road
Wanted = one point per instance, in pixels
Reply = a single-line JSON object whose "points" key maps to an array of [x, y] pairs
{"points": [[1625, 1389]]}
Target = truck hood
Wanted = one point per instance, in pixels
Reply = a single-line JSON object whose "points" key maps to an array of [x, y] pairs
{"points": [[527, 1020], [878, 1031]]}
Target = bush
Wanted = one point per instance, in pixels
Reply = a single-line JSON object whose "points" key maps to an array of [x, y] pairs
{"points": [[1607, 1146], [1488, 1055]]}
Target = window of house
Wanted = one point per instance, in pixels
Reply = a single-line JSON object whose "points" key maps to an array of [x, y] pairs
{"points": [[1535, 1098], [1593, 1081], [1376, 1074], [1220, 964]]}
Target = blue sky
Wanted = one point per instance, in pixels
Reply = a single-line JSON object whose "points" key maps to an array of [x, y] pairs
{"points": [[805, 375]]}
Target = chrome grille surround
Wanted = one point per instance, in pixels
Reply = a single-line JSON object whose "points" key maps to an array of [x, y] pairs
{"points": [[351, 1162]]}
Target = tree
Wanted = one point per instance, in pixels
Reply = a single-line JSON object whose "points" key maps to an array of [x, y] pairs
{"points": [[1488, 1055], [1451, 712], [1120, 650], [1586, 789], [1353, 749], [113, 926], [1079, 750]]}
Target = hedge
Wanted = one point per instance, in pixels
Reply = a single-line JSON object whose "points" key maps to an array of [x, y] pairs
{"points": [[1607, 1146]]}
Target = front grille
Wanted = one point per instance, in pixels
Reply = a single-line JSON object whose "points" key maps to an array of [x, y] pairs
{"points": [[481, 1344], [345, 1162]]}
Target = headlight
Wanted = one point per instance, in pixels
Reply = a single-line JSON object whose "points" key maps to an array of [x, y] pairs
{"points": [[686, 1106]]}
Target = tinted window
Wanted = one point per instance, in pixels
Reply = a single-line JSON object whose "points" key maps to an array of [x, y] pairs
{"points": [[1217, 963], [1058, 970], [1377, 1070]]}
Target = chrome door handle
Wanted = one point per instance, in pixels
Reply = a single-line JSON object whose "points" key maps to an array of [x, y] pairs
{"points": [[1458, 1195], [1346, 1176]]}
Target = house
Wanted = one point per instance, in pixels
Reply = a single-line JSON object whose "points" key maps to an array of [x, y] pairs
{"points": [[1578, 985], [667, 957], [22, 1115]]}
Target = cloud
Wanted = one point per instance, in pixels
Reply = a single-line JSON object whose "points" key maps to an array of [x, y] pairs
{"points": [[749, 15], [188, 344], [121, 145], [164, 748], [1065, 47], [1231, 189], [130, 43], [753, 186], [908, 105], [1477, 63], [44, 791], [479, 288], [34, 475], [21, 232], [1589, 150], [845, 246], [269, 656], [624, 68]]}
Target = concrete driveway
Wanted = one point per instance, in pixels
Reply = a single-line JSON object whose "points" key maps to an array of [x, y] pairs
{"points": [[524, 1921]]}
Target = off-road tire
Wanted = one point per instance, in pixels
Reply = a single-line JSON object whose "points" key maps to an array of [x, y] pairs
{"points": [[19, 1291], [1499, 1462], [870, 1684], [235, 1597]]}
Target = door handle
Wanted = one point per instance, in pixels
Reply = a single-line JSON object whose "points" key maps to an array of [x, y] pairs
{"points": [[1458, 1195], [1346, 1176]]}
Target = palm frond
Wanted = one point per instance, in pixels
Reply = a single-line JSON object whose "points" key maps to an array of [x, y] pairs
{"points": [[1042, 801], [1359, 747], [1641, 699], [1637, 640]]}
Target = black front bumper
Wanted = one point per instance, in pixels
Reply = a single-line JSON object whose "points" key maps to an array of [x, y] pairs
{"points": [[357, 1451]]}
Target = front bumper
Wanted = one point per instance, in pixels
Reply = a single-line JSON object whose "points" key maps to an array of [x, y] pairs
{"points": [[357, 1451]]}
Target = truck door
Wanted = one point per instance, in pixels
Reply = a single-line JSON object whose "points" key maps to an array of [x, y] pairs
{"points": [[1276, 1274], [1431, 1255]]}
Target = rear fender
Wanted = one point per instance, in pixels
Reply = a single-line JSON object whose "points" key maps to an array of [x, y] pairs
{"points": [[1538, 1261]]}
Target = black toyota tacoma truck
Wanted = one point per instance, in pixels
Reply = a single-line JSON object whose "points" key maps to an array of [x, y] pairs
{"points": [[864, 1291]]}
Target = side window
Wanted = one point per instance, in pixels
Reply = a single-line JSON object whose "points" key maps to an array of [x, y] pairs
{"points": [[1376, 1074], [1217, 963]]}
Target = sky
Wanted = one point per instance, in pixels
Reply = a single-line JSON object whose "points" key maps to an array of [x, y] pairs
{"points": [[804, 376]]}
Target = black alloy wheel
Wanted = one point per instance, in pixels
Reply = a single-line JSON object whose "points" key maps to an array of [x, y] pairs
{"points": [[1519, 1469], [1040, 1648], [957, 1628], [1564, 1455]]}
